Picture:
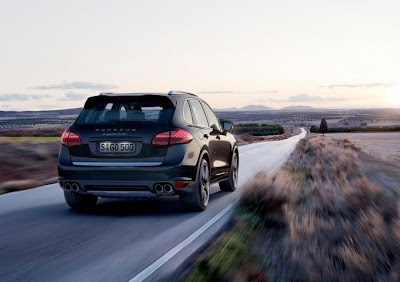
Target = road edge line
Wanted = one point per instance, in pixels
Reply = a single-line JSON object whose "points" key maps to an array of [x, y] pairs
{"points": [[144, 274]]}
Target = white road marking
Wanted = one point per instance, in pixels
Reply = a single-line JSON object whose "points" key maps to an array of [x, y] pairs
{"points": [[165, 258]]}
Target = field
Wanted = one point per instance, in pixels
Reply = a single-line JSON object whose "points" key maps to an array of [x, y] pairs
{"points": [[27, 139], [309, 117], [331, 213], [384, 145], [27, 162]]}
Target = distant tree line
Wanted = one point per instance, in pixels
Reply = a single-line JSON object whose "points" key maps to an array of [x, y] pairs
{"points": [[35, 121], [315, 129], [258, 130], [38, 132]]}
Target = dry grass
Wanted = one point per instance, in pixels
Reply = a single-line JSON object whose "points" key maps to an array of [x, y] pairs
{"points": [[323, 219], [27, 165], [383, 145], [52, 131]]}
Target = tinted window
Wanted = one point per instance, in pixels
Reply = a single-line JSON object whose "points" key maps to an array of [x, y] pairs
{"points": [[115, 110], [212, 119], [187, 115], [198, 113]]}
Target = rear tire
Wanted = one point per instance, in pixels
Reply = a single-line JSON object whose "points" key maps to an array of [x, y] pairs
{"points": [[231, 184], [198, 199], [80, 201]]}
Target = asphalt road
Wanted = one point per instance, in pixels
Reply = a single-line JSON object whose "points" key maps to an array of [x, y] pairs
{"points": [[41, 239]]}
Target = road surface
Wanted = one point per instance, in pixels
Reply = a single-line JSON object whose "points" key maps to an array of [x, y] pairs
{"points": [[41, 239]]}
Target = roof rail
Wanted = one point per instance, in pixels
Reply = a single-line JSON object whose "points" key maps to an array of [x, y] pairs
{"points": [[180, 92]]}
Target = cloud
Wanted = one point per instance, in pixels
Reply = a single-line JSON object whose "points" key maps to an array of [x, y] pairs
{"points": [[237, 92], [22, 97], [75, 96], [76, 85], [308, 98], [362, 85]]}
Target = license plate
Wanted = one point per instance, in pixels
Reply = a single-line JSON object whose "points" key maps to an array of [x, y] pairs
{"points": [[114, 147]]}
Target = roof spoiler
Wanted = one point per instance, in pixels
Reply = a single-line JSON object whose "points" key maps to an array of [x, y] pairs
{"points": [[180, 92]]}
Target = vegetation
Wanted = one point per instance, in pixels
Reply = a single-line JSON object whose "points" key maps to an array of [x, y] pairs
{"points": [[27, 139], [319, 218], [333, 222], [37, 132], [358, 129], [27, 162], [323, 128], [258, 130], [231, 258]]}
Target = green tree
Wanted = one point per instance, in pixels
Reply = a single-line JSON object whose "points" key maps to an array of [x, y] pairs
{"points": [[323, 128]]}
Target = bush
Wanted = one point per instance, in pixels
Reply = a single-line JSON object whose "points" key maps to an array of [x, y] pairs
{"points": [[326, 220], [258, 130], [364, 129]]}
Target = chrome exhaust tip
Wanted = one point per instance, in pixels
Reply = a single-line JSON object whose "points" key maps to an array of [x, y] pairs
{"points": [[67, 186], [75, 186], [167, 188], [158, 188]]}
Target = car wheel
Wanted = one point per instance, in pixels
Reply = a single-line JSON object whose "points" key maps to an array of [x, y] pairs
{"points": [[198, 199], [231, 183], [80, 201]]}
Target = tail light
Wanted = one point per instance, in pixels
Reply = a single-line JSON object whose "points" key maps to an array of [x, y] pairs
{"points": [[171, 137], [181, 184], [70, 139]]}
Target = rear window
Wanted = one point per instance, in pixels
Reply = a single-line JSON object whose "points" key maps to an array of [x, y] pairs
{"points": [[115, 110]]}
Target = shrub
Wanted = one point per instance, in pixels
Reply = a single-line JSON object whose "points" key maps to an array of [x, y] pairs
{"points": [[258, 130], [326, 220]]}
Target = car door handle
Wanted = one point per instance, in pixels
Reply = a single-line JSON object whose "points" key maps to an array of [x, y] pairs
{"points": [[219, 138]]}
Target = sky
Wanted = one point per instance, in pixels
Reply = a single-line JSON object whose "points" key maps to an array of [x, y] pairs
{"points": [[277, 53]]}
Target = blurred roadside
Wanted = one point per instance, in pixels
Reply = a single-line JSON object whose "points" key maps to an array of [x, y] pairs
{"points": [[331, 213], [27, 162]]}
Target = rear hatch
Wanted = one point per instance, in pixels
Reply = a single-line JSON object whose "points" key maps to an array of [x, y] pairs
{"points": [[118, 130]]}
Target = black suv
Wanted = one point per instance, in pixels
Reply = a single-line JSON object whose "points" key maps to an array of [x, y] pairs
{"points": [[146, 145]]}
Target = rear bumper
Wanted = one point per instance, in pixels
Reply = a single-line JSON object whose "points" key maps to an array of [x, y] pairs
{"points": [[126, 182]]}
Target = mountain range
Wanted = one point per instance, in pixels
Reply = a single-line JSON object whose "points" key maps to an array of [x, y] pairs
{"points": [[264, 108]]}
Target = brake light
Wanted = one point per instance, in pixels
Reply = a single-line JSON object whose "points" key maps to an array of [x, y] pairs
{"points": [[181, 184], [70, 139], [172, 137]]}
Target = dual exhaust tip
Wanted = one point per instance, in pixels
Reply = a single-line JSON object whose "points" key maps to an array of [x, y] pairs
{"points": [[71, 186], [163, 188]]}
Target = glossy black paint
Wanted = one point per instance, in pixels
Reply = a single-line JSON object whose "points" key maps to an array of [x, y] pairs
{"points": [[176, 163]]}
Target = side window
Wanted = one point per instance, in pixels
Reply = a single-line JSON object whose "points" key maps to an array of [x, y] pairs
{"points": [[198, 113], [212, 119], [187, 115]]}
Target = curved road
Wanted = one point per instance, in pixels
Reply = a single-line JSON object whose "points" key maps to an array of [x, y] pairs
{"points": [[41, 239]]}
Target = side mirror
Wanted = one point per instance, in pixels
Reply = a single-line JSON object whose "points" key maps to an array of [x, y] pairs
{"points": [[215, 127], [226, 125]]}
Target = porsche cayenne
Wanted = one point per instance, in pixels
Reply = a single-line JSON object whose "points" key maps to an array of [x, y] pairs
{"points": [[145, 145]]}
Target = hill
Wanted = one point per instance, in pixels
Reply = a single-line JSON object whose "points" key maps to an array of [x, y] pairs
{"points": [[246, 108], [297, 108]]}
